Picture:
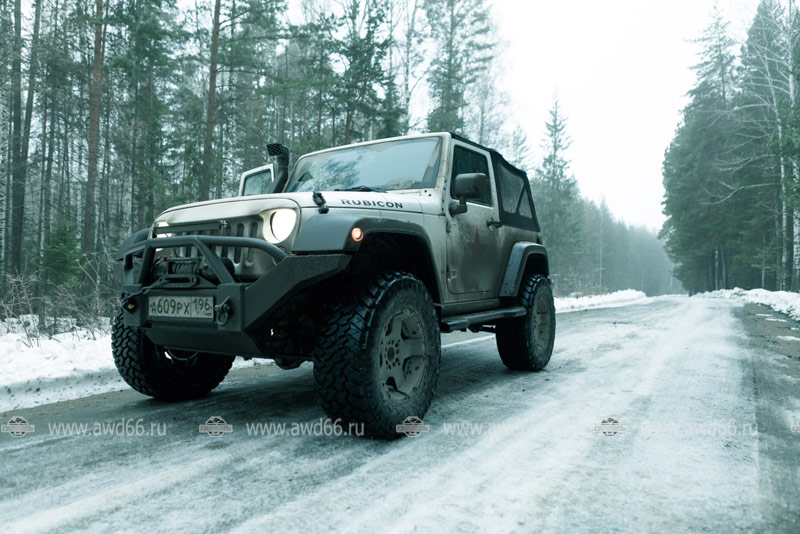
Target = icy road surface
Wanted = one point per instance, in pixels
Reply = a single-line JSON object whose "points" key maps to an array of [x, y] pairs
{"points": [[705, 393]]}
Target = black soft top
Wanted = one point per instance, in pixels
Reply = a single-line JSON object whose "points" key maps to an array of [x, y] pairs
{"points": [[496, 156], [499, 161]]}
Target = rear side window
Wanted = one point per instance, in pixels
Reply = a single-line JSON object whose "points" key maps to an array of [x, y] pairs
{"points": [[516, 202], [466, 161]]}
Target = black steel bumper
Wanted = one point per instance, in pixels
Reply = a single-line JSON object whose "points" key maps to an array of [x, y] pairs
{"points": [[239, 307]]}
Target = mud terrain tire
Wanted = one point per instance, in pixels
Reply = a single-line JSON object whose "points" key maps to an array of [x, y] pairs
{"points": [[526, 343], [152, 371], [376, 360]]}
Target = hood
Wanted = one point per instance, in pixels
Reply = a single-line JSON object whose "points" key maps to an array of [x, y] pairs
{"points": [[252, 205]]}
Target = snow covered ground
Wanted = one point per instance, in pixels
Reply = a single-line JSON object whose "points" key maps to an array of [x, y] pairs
{"points": [[780, 301], [705, 408], [76, 364]]}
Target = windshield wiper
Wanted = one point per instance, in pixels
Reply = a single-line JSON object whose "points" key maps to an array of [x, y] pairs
{"points": [[363, 188]]}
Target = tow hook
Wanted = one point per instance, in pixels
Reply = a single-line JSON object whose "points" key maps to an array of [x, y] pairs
{"points": [[223, 311]]}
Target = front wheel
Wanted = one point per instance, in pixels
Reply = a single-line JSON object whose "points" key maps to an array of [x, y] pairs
{"points": [[526, 343], [161, 373], [376, 362]]}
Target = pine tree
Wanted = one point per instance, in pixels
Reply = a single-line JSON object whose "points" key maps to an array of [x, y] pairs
{"points": [[17, 165], [764, 106], [518, 150], [362, 51], [699, 236], [461, 30], [557, 202], [88, 237]]}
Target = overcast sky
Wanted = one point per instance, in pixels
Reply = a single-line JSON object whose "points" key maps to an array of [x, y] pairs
{"points": [[621, 69]]}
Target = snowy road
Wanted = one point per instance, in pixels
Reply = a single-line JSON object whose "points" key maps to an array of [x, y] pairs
{"points": [[706, 392]]}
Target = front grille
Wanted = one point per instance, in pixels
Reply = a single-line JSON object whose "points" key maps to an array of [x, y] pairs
{"points": [[238, 255]]}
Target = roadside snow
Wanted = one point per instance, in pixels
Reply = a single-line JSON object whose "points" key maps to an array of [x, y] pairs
{"points": [[27, 367], [78, 364], [780, 301], [611, 300], [65, 367]]}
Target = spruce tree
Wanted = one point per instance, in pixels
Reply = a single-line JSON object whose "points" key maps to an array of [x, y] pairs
{"points": [[557, 202], [462, 32]]}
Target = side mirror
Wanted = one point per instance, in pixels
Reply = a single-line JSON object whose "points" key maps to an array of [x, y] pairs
{"points": [[470, 186], [256, 181]]}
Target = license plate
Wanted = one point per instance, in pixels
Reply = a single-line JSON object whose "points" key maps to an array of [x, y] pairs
{"points": [[181, 307]]}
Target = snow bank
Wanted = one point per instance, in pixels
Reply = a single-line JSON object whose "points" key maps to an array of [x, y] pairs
{"points": [[64, 367], [618, 298], [63, 355], [780, 301]]}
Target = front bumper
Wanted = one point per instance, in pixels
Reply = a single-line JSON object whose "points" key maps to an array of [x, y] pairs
{"points": [[239, 307]]}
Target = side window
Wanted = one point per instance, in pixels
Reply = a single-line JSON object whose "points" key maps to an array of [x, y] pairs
{"points": [[516, 204], [466, 161], [257, 183]]}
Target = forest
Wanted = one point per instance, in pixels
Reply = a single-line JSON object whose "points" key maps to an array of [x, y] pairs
{"points": [[113, 110], [732, 171]]}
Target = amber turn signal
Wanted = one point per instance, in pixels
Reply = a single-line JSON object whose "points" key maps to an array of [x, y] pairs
{"points": [[357, 234]]}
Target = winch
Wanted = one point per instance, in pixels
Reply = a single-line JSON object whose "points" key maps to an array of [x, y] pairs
{"points": [[185, 270]]}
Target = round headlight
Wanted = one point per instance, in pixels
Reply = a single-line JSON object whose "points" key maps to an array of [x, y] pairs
{"points": [[281, 224]]}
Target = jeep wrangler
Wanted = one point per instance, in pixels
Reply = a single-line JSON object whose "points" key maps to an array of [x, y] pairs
{"points": [[356, 261]]}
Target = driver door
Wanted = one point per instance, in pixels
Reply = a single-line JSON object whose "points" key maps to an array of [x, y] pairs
{"points": [[473, 249]]}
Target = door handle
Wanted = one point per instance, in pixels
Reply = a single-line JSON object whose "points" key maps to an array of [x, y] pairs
{"points": [[495, 224]]}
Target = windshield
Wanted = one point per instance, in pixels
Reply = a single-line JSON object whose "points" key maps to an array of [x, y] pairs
{"points": [[391, 165]]}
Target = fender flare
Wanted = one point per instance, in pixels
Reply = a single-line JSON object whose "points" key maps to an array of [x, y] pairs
{"points": [[328, 233], [137, 237], [515, 267], [118, 268], [331, 233]]}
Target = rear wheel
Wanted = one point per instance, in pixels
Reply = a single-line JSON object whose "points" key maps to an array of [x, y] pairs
{"points": [[376, 362], [526, 343], [162, 373]]}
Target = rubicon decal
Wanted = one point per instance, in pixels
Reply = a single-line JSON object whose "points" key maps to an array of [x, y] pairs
{"points": [[372, 203]]}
